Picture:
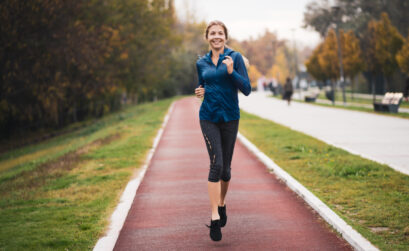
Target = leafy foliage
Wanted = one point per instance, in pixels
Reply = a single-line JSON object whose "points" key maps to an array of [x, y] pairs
{"points": [[254, 75], [384, 42], [63, 61], [313, 65], [356, 14], [262, 51], [381, 69], [403, 57], [351, 54], [281, 68], [328, 58]]}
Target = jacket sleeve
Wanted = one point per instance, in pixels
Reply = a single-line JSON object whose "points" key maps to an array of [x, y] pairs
{"points": [[239, 75], [199, 75]]}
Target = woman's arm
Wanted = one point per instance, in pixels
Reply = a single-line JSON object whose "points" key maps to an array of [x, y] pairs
{"points": [[199, 91], [199, 75], [239, 75]]}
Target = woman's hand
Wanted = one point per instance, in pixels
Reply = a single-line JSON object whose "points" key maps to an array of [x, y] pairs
{"points": [[200, 91], [228, 61]]}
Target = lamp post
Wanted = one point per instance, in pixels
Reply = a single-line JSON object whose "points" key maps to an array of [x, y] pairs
{"points": [[295, 57], [336, 10]]}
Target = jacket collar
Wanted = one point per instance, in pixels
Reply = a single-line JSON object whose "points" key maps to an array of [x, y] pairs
{"points": [[227, 52]]}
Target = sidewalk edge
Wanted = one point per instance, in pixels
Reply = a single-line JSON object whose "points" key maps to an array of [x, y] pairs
{"points": [[354, 238], [118, 217]]}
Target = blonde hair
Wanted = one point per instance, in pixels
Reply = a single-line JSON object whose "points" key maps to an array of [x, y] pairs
{"points": [[216, 22]]}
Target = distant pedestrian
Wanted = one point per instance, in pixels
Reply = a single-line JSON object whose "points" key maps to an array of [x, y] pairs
{"points": [[221, 73], [288, 90], [406, 90]]}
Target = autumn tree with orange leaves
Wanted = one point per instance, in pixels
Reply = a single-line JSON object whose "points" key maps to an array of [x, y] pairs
{"points": [[64, 61], [384, 42], [328, 58], [403, 57], [314, 67], [281, 68], [323, 64], [351, 56], [254, 75]]}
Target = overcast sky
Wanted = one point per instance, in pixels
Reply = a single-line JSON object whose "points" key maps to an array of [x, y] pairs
{"points": [[245, 18]]}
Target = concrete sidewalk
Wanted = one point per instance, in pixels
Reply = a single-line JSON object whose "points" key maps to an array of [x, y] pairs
{"points": [[380, 138], [171, 206]]}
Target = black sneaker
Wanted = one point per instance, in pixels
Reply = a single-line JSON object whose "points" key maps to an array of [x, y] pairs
{"points": [[223, 216], [215, 231]]}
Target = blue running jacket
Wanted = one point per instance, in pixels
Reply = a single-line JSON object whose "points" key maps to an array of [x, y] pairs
{"points": [[221, 103]]}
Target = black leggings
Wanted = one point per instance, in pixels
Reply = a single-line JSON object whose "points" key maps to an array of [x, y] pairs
{"points": [[220, 139]]}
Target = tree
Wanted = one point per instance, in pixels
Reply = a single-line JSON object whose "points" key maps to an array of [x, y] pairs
{"points": [[261, 52], [65, 60], [351, 56], [356, 14], [183, 75], [313, 65], [254, 75], [402, 57], [281, 68], [318, 16], [328, 58], [329, 61], [384, 41]]}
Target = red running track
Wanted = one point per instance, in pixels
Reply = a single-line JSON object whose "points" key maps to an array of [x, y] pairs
{"points": [[171, 206]]}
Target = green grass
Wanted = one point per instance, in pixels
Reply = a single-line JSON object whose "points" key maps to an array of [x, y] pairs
{"points": [[355, 108], [366, 101], [367, 195], [59, 195], [403, 115]]}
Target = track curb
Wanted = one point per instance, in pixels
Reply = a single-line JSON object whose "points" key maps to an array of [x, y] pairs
{"points": [[354, 238], [118, 217]]}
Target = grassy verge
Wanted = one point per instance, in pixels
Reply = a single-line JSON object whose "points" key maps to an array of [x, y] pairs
{"points": [[366, 101], [58, 195], [354, 108], [371, 197], [403, 115]]}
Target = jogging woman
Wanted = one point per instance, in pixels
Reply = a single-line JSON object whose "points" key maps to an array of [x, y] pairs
{"points": [[221, 74]]}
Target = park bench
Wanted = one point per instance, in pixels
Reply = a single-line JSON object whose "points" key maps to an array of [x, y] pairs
{"points": [[312, 94], [389, 103], [311, 97]]}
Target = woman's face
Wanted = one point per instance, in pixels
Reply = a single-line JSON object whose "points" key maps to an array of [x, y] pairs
{"points": [[216, 37]]}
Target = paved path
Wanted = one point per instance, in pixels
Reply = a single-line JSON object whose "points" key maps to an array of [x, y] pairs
{"points": [[381, 138], [171, 206]]}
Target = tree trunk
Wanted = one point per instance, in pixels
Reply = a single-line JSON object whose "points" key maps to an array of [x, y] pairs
{"points": [[385, 84], [352, 88], [74, 112]]}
